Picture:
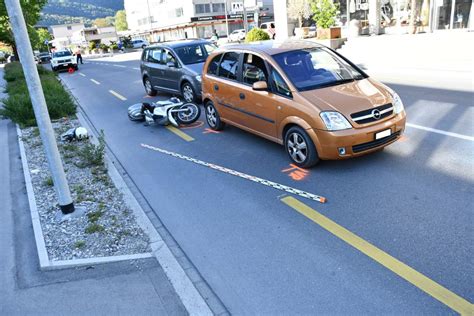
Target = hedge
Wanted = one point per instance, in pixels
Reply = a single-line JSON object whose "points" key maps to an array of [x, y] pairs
{"points": [[18, 107]]}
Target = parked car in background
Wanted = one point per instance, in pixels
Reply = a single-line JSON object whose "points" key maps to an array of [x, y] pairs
{"points": [[63, 59], [237, 35], [269, 27], [302, 95], [175, 67], [43, 58], [139, 43]]}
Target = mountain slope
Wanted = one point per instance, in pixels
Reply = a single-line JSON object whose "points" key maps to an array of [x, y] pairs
{"points": [[72, 11]]}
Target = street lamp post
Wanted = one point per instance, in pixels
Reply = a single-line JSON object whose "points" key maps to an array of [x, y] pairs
{"points": [[150, 21], [22, 42], [226, 19]]}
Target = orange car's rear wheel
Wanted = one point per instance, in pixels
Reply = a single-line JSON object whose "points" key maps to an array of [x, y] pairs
{"points": [[300, 148], [212, 117]]}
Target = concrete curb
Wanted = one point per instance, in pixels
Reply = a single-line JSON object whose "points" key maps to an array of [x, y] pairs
{"points": [[45, 263]]}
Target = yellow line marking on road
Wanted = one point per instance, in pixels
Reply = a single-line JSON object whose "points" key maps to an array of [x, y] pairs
{"points": [[95, 81], [419, 280], [121, 97], [180, 133], [81, 74]]}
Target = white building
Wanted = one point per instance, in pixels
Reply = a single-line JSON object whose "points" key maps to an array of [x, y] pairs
{"points": [[66, 34], [178, 19], [77, 34]]}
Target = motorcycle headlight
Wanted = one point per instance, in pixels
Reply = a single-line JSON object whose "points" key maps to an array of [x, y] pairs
{"points": [[198, 78], [397, 104], [335, 121]]}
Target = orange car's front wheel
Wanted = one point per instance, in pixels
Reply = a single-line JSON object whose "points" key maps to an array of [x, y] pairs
{"points": [[300, 148]]}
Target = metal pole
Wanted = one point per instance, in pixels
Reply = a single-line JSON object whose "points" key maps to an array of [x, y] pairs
{"points": [[226, 19], [246, 26], [150, 21], [22, 42]]}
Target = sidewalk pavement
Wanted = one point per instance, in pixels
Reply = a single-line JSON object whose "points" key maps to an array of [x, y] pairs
{"points": [[137, 287]]}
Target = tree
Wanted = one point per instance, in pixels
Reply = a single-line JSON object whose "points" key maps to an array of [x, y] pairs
{"points": [[101, 22], [325, 12], [299, 9], [121, 20], [43, 35], [31, 12]]}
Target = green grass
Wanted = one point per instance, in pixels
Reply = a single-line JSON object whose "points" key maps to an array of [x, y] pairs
{"points": [[80, 244], [94, 228], [94, 216], [18, 105], [49, 182]]}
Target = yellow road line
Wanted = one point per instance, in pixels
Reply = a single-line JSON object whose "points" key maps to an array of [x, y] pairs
{"points": [[419, 280], [180, 133], [95, 81], [121, 97], [81, 74]]}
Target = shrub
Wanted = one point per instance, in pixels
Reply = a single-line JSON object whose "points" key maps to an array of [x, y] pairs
{"points": [[92, 155], [80, 244], [92, 45], [103, 46], [18, 105], [114, 46], [325, 12], [94, 228], [256, 34]]}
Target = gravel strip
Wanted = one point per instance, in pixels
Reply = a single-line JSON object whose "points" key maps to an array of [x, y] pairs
{"points": [[108, 228]]}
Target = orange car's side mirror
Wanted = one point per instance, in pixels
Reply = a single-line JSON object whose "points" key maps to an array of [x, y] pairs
{"points": [[260, 86]]}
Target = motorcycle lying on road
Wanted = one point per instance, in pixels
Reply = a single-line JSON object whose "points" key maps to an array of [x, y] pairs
{"points": [[171, 111]]}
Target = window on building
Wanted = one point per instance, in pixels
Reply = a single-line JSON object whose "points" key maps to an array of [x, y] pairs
{"points": [[202, 8], [218, 7], [253, 69], [229, 66], [179, 12]]}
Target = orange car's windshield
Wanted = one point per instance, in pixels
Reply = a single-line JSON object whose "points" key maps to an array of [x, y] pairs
{"points": [[315, 68]]}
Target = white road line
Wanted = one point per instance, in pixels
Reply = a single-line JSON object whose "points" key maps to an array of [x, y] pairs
{"points": [[438, 131], [265, 182], [121, 66], [136, 68], [95, 81], [121, 97], [81, 74]]}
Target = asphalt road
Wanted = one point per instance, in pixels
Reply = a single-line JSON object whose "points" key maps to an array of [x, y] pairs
{"points": [[414, 201]]}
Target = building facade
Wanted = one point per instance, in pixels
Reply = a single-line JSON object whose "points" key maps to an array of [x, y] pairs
{"points": [[66, 35], [363, 17], [179, 19], [76, 34]]}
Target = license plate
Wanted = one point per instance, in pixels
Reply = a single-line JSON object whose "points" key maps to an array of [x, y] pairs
{"points": [[383, 134]]}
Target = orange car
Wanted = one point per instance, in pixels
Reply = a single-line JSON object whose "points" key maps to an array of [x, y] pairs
{"points": [[302, 95]]}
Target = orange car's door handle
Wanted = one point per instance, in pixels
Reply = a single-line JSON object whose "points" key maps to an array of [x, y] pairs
{"points": [[216, 87], [242, 96]]}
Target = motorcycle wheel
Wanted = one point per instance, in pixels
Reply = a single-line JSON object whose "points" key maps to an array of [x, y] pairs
{"points": [[190, 116]]}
